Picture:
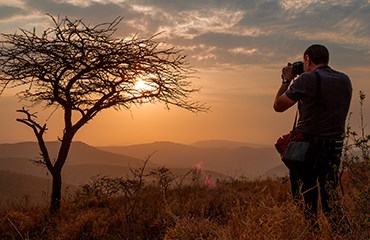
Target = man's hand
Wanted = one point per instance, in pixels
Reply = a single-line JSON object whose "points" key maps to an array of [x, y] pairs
{"points": [[282, 101], [287, 72]]}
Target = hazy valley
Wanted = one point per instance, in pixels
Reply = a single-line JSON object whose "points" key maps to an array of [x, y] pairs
{"points": [[220, 159]]}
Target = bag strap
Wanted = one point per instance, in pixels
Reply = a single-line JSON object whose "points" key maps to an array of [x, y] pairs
{"points": [[317, 102], [295, 120]]}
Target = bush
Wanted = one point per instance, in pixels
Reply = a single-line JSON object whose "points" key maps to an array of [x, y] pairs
{"points": [[355, 173], [155, 205]]}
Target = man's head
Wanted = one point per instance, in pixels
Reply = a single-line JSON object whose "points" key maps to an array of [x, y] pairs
{"points": [[314, 56]]}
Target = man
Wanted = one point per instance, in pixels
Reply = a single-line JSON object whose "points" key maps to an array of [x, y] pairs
{"points": [[323, 95]]}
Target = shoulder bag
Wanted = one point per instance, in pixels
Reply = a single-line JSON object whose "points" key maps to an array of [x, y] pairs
{"points": [[295, 154]]}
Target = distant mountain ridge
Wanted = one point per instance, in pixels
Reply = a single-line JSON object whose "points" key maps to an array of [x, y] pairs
{"points": [[22, 189], [226, 157], [18, 157], [80, 153], [216, 158], [219, 143]]}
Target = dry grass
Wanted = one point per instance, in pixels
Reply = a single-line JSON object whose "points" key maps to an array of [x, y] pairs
{"points": [[233, 210], [158, 206]]}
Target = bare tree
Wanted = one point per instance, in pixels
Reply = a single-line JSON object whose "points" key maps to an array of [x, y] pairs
{"points": [[83, 70]]}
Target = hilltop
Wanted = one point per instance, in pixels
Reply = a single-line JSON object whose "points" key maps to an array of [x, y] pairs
{"points": [[233, 159], [218, 159]]}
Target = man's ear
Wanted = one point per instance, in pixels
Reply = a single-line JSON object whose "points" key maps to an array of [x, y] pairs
{"points": [[310, 63]]}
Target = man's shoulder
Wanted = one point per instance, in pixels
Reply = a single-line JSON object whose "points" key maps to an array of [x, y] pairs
{"points": [[306, 77], [331, 71]]}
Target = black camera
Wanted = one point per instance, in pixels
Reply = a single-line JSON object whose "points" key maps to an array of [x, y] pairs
{"points": [[297, 68]]}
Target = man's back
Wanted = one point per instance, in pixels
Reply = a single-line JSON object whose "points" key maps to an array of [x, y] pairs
{"points": [[324, 114], [323, 97]]}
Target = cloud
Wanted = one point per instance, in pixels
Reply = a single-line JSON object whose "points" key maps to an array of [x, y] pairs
{"points": [[9, 11], [239, 46], [221, 32], [243, 51]]}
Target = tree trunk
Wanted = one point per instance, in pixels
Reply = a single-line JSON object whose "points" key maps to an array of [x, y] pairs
{"points": [[56, 191], [56, 172]]}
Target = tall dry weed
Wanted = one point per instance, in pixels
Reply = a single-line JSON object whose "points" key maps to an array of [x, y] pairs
{"points": [[159, 205], [260, 209]]}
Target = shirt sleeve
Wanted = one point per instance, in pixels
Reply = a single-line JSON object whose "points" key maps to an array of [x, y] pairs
{"points": [[296, 91]]}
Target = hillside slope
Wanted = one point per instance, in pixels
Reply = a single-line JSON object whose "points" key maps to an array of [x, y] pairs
{"points": [[83, 161], [80, 153], [219, 143], [235, 162], [20, 189]]}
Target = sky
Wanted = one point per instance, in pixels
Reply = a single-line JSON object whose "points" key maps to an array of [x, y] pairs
{"points": [[238, 48]]}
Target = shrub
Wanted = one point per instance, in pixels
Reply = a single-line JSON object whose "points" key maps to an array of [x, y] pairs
{"points": [[155, 205]]}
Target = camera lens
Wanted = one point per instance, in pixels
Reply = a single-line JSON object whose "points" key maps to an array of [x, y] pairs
{"points": [[298, 68]]}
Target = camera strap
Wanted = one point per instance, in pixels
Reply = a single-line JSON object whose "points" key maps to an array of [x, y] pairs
{"points": [[317, 102]]}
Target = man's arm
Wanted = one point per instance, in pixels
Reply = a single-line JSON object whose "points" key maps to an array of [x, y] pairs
{"points": [[282, 101]]}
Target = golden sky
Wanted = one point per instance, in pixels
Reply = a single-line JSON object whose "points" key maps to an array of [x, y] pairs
{"points": [[238, 47]]}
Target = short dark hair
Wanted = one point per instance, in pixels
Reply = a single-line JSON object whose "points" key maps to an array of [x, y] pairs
{"points": [[318, 54]]}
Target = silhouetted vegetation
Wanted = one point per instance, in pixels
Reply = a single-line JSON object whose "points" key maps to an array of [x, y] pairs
{"points": [[82, 70], [356, 170], [233, 210], [159, 205]]}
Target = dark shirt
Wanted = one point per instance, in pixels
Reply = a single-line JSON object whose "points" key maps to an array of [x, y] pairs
{"points": [[323, 115]]}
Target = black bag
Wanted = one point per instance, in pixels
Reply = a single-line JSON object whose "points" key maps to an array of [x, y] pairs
{"points": [[296, 154]]}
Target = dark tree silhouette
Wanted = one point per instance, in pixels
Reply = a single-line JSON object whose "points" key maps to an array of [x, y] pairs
{"points": [[83, 70]]}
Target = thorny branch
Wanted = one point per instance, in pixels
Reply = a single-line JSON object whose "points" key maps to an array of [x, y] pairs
{"points": [[39, 131], [82, 70]]}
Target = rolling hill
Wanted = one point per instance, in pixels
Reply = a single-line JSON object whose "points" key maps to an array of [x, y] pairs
{"points": [[225, 157], [80, 153], [21, 180], [18, 190], [225, 144], [228, 158], [83, 161]]}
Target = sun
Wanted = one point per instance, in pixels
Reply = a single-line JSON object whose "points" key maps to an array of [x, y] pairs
{"points": [[143, 86]]}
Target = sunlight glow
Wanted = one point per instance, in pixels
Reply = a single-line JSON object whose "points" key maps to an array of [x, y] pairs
{"points": [[190, 24], [143, 86], [244, 51], [87, 3]]}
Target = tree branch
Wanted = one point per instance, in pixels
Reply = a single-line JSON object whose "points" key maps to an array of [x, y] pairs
{"points": [[39, 131]]}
